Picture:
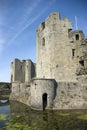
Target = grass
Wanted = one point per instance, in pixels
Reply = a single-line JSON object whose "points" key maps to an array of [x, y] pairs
{"points": [[4, 96], [83, 117]]}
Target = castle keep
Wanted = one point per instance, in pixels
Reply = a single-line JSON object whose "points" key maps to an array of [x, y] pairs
{"points": [[58, 80]]}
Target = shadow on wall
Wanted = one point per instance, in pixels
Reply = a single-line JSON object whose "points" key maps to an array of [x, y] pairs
{"points": [[33, 72], [45, 97]]}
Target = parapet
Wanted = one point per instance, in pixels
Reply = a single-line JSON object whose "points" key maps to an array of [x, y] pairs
{"points": [[22, 71], [54, 21]]}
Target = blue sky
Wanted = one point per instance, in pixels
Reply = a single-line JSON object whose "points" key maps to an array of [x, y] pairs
{"points": [[19, 20]]}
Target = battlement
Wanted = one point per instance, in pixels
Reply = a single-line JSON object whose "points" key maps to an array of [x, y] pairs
{"points": [[55, 23], [59, 80], [22, 71]]}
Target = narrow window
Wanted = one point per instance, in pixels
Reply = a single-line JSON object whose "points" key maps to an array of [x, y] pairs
{"points": [[21, 67], [43, 25], [43, 42], [81, 62], [77, 37], [73, 53]]}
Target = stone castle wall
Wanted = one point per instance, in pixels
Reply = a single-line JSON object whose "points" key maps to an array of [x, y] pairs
{"points": [[22, 71], [63, 95], [59, 78], [39, 88], [54, 50], [20, 92]]}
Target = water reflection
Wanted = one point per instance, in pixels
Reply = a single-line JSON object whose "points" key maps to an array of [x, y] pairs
{"points": [[4, 115], [18, 116]]}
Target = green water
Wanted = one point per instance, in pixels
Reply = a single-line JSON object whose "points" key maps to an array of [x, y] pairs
{"points": [[17, 116]]}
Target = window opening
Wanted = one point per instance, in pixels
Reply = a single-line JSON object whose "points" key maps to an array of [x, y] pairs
{"points": [[43, 41], [77, 37], [73, 53], [81, 62], [43, 25]]}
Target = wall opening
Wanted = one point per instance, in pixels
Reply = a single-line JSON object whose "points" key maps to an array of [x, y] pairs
{"points": [[81, 62], [44, 100], [77, 36], [43, 42], [43, 25], [73, 53]]}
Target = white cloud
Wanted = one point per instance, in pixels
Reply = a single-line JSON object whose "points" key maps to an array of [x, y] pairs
{"points": [[28, 11], [27, 22], [11, 32]]}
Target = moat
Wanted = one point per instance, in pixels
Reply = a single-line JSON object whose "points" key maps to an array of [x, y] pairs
{"points": [[17, 116]]}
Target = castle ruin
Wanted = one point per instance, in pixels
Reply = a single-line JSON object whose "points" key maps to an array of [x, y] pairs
{"points": [[58, 80]]}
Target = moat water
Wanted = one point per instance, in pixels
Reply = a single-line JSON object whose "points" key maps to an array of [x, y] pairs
{"points": [[17, 116]]}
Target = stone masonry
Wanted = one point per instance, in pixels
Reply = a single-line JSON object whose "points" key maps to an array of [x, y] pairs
{"points": [[58, 80]]}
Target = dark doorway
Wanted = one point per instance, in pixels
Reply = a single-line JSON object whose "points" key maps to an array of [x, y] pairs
{"points": [[44, 98], [77, 36]]}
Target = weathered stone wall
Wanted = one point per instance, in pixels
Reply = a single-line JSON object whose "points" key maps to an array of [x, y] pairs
{"points": [[79, 46], [20, 92], [16, 70], [69, 96], [82, 79], [28, 71], [32, 94], [22, 71], [54, 53], [59, 68], [63, 95], [39, 87]]}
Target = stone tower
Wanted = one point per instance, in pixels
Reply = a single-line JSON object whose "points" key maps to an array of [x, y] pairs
{"points": [[59, 78], [54, 53], [58, 49], [22, 71]]}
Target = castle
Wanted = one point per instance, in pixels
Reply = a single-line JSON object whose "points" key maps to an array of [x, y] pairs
{"points": [[58, 80]]}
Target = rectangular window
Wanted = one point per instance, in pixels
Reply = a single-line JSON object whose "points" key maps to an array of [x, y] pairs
{"points": [[43, 42], [73, 53], [77, 37]]}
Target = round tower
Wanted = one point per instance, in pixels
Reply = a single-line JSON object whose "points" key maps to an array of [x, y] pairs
{"points": [[28, 71], [43, 92]]}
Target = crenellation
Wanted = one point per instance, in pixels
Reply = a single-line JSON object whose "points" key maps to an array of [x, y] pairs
{"points": [[59, 78], [22, 71]]}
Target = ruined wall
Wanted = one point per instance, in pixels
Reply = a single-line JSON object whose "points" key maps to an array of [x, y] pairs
{"points": [[20, 92], [70, 95], [29, 70], [79, 47], [32, 93], [22, 71], [54, 52], [63, 95], [59, 61], [16, 71]]}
